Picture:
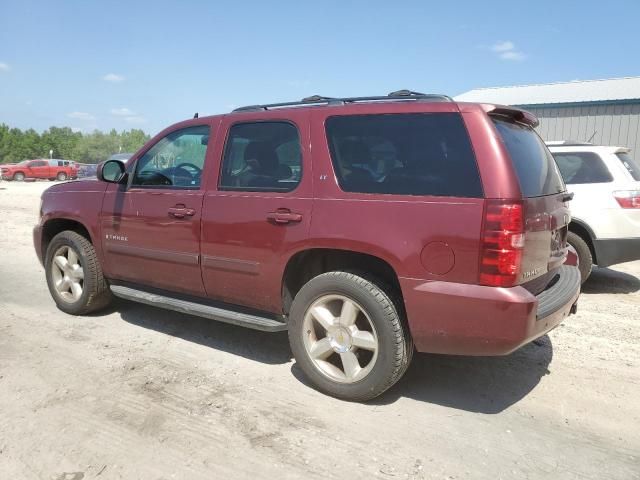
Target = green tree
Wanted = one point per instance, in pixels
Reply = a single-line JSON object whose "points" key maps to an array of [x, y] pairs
{"points": [[94, 147]]}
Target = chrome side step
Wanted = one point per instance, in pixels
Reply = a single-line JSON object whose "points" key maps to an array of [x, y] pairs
{"points": [[193, 308]]}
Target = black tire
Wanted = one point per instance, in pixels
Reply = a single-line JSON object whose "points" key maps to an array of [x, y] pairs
{"points": [[61, 176], [95, 289], [18, 176], [395, 347], [584, 254]]}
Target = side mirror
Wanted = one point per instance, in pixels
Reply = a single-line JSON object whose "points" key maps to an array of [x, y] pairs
{"points": [[112, 171]]}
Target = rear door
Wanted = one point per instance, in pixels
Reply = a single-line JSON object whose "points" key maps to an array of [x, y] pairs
{"points": [[258, 209], [545, 202]]}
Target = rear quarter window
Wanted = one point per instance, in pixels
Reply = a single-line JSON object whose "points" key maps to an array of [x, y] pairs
{"points": [[535, 167], [632, 165], [582, 167], [403, 154]]}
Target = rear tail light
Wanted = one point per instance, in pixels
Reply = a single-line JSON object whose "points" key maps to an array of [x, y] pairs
{"points": [[502, 243], [628, 198]]}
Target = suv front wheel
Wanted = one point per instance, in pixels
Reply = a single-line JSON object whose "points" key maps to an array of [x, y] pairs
{"points": [[74, 275], [348, 336]]}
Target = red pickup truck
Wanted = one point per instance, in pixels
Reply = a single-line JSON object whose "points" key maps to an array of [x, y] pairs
{"points": [[40, 168]]}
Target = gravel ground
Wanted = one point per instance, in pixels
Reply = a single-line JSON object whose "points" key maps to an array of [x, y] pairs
{"points": [[138, 392]]}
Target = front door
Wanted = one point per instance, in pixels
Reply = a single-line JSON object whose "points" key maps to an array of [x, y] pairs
{"points": [[39, 169], [260, 211], [151, 226]]}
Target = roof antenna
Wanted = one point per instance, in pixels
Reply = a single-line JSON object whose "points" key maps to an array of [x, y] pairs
{"points": [[195, 115]]}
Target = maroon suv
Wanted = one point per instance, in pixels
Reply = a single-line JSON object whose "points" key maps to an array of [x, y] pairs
{"points": [[366, 227]]}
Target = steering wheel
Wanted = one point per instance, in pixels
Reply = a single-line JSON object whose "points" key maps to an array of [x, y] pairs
{"points": [[196, 168]]}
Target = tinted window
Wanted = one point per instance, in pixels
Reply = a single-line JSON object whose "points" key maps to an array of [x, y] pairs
{"points": [[403, 154], [534, 165], [176, 160], [38, 163], [262, 156], [582, 167], [630, 164]]}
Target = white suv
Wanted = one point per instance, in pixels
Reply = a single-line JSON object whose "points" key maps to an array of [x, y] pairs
{"points": [[605, 210]]}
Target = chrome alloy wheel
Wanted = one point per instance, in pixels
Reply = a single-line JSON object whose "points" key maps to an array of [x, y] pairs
{"points": [[67, 274], [340, 338]]}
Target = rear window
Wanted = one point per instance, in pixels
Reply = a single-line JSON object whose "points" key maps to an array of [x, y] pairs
{"points": [[630, 164], [403, 154], [534, 165], [582, 167]]}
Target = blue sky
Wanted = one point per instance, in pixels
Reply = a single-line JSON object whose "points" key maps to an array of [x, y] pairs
{"points": [[147, 64]]}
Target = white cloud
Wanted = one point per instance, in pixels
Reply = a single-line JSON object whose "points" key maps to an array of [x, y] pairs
{"points": [[4, 67], [113, 78], [136, 119], [507, 51], [81, 116], [513, 55], [122, 112], [503, 47]]}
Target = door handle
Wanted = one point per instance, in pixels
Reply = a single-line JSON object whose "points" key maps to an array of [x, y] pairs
{"points": [[284, 216], [180, 211]]}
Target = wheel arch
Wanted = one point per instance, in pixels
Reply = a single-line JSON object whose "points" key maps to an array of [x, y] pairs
{"points": [[54, 226], [580, 228], [306, 264]]}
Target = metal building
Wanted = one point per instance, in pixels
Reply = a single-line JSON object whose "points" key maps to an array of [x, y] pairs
{"points": [[605, 112]]}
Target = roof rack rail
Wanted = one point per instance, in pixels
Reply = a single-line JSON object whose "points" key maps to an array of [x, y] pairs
{"points": [[399, 95]]}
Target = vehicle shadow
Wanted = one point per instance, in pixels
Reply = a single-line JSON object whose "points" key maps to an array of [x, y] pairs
{"points": [[264, 347], [474, 384], [606, 280]]}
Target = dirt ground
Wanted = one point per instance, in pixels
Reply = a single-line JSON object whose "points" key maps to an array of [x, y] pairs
{"points": [[138, 392]]}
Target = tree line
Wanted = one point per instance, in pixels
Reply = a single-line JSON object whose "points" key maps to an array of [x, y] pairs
{"points": [[17, 145]]}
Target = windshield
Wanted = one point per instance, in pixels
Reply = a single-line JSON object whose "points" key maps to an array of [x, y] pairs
{"points": [[536, 169], [630, 164], [24, 162]]}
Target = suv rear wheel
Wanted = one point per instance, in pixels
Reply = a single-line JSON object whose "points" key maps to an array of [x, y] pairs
{"points": [[61, 176], [74, 275], [348, 337], [584, 255]]}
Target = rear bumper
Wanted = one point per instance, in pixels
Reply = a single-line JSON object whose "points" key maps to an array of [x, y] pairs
{"points": [[461, 319], [611, 251]]}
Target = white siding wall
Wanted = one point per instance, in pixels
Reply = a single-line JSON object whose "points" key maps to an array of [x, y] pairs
{"points": [[617, 125]]}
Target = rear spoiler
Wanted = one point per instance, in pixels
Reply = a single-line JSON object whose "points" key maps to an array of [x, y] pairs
{"points": [[622, 150], [514, 113]]}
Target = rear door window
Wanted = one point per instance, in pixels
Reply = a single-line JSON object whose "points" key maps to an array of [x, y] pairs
{"points": [[534, 165], [403, 154], [582, 167], [262, 156], [632, 165]]}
